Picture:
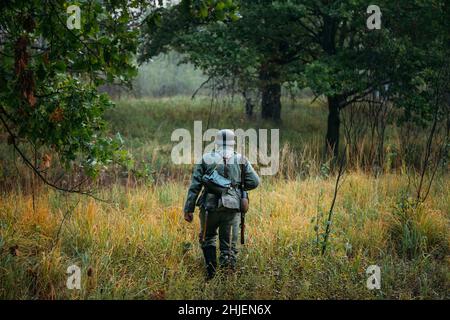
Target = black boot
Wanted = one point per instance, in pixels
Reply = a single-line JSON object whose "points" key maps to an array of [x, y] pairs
{"points": [[210, 261], [229, 267], [228, 262]]}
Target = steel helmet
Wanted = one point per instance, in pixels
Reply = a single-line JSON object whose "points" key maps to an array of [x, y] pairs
{"points": [[225, 137]]}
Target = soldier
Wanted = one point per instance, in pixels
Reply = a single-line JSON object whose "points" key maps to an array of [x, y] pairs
{"points": [[213, 215]]}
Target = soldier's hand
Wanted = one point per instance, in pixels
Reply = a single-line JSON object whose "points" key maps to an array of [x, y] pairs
{"points": [[189, 216]]}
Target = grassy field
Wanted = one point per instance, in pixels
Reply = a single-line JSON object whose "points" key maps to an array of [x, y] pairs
{"points": [[147, 126], [139, 247]]}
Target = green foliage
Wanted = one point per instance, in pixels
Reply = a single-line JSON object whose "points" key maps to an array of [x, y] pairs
{"points": [[236, 49], [163, 25], [324, 45], [49, 75]]}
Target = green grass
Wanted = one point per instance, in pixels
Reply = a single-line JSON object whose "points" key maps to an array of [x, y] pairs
{"points": [[147, 124], [139, 247]]}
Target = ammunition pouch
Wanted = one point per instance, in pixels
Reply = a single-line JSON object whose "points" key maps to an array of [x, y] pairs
{"points": [[230, 200], [222, 193]]}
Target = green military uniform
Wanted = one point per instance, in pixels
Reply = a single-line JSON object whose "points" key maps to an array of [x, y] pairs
{"points": [[226, 222]]}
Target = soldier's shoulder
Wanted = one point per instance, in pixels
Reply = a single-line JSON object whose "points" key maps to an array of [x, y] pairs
{"points": [[210, 157], [211, 154]]}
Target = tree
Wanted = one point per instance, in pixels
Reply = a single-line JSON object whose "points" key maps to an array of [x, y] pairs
{"points": [[50, 70], [260, 49], [350, 62], [324, 45]]}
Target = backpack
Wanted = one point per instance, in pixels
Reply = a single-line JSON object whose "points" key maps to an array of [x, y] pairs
{"points": [[220, 192]]}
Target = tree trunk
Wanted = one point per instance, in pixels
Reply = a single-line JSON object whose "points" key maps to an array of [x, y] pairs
{"points": [[248, 104], [270, 94], [334, 122]]}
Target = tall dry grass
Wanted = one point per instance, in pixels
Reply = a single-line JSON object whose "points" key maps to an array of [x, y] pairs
{"points": [[139, 247]]}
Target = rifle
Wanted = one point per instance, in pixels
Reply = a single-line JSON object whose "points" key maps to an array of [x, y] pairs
{"points": [[204, 226], [242, 228], [244, 203]]}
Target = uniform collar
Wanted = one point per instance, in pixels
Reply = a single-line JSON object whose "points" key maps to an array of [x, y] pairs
{"points": [[226, 152]]}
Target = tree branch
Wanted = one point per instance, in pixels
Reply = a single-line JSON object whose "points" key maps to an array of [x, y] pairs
{"points": [[39, 173]]}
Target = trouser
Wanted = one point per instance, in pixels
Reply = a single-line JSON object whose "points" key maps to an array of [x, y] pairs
{"points": [[228, 226]]}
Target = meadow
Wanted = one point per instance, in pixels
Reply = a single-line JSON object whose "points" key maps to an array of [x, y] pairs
{"points": [[137, 245]]}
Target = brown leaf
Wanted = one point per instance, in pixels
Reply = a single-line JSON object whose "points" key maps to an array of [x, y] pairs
{"points": [[158, 295], [45, 58], [57, 115], [46, 161], [31, 99], [21, 54], [27, 86]]}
